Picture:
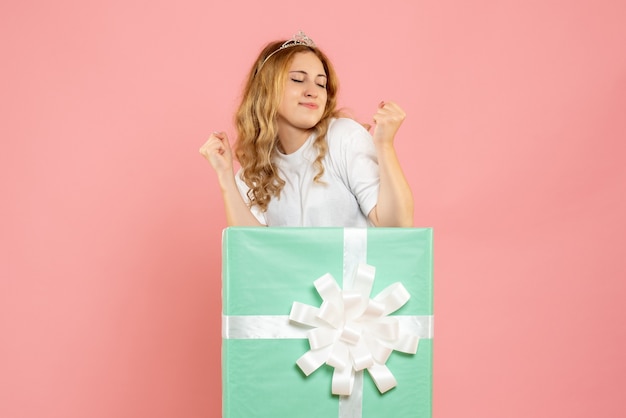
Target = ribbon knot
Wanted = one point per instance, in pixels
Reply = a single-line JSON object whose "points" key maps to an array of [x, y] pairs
{"points": [[351, 332]]}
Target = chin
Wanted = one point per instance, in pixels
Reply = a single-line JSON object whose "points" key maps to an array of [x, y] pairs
{"points": [[310, 124]]}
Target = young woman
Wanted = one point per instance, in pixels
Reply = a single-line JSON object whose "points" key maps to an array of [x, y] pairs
{"points": [[301, 163]]}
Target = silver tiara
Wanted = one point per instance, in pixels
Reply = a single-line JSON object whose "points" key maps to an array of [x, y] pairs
{"points": [[299, 38]]}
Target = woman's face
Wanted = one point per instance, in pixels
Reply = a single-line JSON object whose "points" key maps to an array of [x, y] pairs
{"points": [[304, 97]]}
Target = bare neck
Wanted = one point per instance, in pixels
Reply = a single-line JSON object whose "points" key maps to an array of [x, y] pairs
{"points": [[291, 138]]}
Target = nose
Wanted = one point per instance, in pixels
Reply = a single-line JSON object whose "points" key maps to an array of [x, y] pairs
{"points": [[311, 90]]}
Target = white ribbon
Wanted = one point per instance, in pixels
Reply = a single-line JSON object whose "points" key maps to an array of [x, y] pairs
{"points": [[352, 332], [249, 327]]}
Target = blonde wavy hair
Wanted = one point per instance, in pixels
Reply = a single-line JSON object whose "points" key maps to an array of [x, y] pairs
{"points": [[256, 120]]}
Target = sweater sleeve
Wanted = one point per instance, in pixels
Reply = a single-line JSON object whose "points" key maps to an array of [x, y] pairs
{"points": [[243, 190], [357, 161]]}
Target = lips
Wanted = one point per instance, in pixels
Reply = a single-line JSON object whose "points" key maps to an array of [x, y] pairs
{"points": [[310, 105]]}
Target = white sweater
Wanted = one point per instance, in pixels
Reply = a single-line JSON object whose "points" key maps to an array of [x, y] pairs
{"points": [[348, 190]]}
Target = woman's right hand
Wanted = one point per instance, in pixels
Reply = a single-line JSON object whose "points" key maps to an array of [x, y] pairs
{"points": [[218, 153]]}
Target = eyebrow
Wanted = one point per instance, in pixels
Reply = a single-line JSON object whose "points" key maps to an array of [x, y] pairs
{"points": [[305, 73]]}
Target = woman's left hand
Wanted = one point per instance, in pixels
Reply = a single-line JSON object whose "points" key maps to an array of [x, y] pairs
{"points": [[388, 118]]}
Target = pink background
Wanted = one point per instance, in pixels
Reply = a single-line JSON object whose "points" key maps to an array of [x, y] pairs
{"points": [[111, 220]]}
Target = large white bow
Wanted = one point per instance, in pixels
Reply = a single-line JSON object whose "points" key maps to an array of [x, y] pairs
{"points": [[352, 332]]}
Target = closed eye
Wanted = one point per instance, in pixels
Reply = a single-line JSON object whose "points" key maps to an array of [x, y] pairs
{"points": [[321, 81], [295, 80]]}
